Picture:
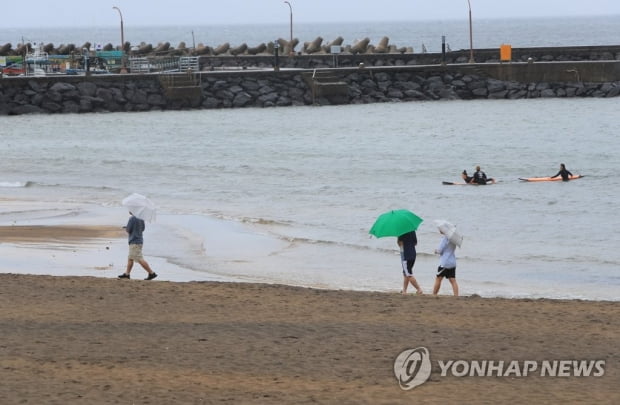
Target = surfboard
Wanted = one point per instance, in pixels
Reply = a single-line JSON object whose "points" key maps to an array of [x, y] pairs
{"points": [[462, 183], [559, 178]]}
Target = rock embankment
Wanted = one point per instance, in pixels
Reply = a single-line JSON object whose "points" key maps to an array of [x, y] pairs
{"points": [[270, 89]]}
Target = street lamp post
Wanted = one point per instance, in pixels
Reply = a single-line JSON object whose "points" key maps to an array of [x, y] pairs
{"points": [[123, 68], [291, 25], [471, 36], [122, 30]]}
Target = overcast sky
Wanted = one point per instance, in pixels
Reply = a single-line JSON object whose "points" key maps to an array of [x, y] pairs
{"points": [[65, 13]]}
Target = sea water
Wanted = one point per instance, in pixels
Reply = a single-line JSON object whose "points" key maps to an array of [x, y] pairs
{"points": [[288, 195], [419, 35]]}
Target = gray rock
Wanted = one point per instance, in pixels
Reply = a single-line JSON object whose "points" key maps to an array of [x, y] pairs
{"points": [[517, 94], [156, 100], [37, 99], [211, 102], [72, 95], [62, 87], [268, 98], [547, 93], [480, 92], [382, 77], [87, 89], [220, 84], [497, 95], [141, 107], [495, 86], [35, 86], [296, 93], [250, 85], [118, 95], [70, 107], [477, 84], [435, 86], [571, 92], [613, 92], [54, 96], [51, 106], [105, 94], [86, 104], [448, 94], [395, 93], [435, 80], [136, 96], [384, 85], [241, 99], [26, 109], [283, 102], [225, 95], [606, 87], [369, 84], [415, 94], [266, 89], [21, 99]]}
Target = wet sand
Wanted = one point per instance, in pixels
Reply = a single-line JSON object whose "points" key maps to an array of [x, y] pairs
{"points": [[100, 340], [69, 233]]}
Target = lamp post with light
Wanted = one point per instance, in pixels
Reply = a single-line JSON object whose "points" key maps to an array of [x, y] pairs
{"points": [[290, 7], [122, 39], [122, 29], [471, 36]]}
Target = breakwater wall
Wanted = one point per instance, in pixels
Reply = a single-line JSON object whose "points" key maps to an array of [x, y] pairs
{"points": [[376, 59], [270, 88]]}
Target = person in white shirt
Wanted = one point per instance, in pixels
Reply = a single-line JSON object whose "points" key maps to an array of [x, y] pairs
{"points": [[447, 265]]}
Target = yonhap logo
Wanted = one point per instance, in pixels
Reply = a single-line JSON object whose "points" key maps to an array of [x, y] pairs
{"points": [[412, 367]]}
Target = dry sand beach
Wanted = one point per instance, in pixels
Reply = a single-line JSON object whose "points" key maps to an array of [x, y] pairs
{"points": [[100, 340]]}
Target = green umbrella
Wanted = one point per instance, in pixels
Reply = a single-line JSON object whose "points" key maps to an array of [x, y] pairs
{"points": [[395, 223]]}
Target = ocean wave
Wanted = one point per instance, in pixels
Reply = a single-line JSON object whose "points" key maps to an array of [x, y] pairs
{"points": [[293, 241], [114, 161], [15, 184]]}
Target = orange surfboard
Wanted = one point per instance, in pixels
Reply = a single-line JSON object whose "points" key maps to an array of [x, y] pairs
{"points": [[559, 178]]}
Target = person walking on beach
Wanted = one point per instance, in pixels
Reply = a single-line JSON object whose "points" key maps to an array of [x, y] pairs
{"points": [[563, 172], [447, 265], [407, 243], [135, 227]]}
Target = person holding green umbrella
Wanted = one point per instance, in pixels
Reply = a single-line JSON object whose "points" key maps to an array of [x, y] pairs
{"points": [[407, 243], [402, 224]]}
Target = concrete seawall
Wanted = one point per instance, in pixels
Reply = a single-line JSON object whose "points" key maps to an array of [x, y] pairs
{"points": [[237, 88]]}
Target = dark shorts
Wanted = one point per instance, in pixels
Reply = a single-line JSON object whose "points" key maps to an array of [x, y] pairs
{"points": [[408, 267], [447, 273]]}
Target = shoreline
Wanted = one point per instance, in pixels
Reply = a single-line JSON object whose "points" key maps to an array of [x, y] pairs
{"points": [[100, 251], [101, 340]]}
